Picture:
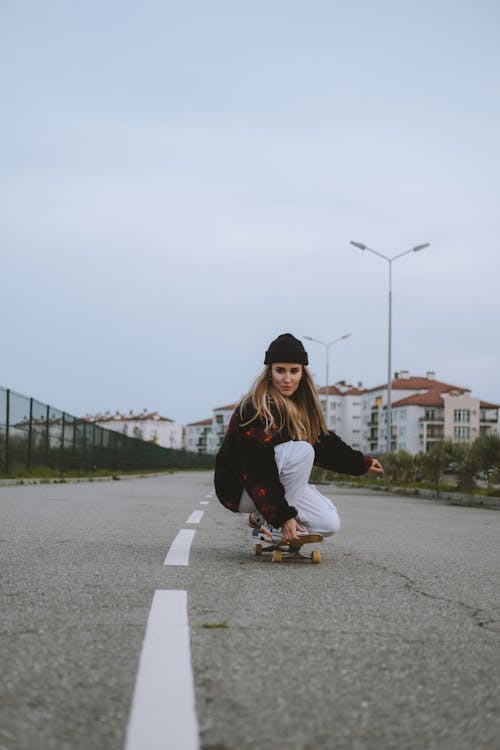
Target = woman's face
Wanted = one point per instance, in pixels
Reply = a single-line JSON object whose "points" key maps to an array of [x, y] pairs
{"points": [[286, 377]]}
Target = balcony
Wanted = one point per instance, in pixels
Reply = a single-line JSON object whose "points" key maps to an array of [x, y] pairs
{"points": [[436, 434]]}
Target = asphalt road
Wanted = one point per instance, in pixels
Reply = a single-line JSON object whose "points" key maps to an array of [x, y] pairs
{"points": [[393, 641]]}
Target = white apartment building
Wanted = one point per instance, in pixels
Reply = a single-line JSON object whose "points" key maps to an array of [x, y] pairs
{"points": [[149, 426], [424, 411], [344, 411], [198, 436], [220, 421], [207, 435]]}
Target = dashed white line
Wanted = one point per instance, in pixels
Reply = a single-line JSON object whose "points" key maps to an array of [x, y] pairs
{"points": [[178, 553], [163, 713], [195, 516], [204, 502]]}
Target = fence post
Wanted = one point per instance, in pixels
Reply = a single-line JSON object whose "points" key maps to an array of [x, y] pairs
{"points": [[75, 425], [115, 449], [7, 420], [62, 441], [47, 427], [30, 433], [84, 455]]}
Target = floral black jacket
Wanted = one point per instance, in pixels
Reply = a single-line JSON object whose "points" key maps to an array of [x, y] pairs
{"points": [[246, 461]]}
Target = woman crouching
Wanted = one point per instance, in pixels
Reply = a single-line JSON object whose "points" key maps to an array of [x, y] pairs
{"points": [[275, 436]]}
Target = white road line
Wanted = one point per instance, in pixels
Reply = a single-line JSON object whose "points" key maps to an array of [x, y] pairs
{"points": [[195, 516], [178, 553], [205, 502], [163, 713]]}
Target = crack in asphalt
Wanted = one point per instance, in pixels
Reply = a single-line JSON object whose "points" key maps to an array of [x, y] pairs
{"points": [[479, 616]]}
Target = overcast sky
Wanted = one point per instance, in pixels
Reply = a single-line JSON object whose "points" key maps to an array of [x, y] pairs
{"points": [[181, 181]]}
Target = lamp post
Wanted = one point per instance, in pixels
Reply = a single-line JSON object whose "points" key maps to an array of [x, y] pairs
{"points": [[327, 346], [389, 353]]}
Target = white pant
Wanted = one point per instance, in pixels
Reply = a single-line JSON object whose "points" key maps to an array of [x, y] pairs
{"points": [[315, 511]]}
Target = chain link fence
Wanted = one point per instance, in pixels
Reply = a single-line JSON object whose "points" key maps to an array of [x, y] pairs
{"points": [[35, 435]]}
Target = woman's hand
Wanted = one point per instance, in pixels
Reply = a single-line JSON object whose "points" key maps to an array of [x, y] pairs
{"points": [[289, 530], [377, 467]]}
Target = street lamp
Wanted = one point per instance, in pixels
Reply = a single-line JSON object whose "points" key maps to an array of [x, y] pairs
{"points": [[327, 346], [389, 364]]}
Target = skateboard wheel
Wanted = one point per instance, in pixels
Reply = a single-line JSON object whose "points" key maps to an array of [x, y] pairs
{"points": [[316, 556], [277, 555], [258, 550]]}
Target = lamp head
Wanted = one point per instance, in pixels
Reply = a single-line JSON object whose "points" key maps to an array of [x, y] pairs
{"points": [[421, 247], [358, 244]]}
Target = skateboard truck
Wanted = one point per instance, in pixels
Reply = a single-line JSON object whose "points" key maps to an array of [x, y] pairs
{"points": [[291, 550]]}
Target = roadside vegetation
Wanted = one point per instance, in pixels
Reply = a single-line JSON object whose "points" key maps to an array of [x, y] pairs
{"points": [[47, 474], [25, 456], [449, 466]]}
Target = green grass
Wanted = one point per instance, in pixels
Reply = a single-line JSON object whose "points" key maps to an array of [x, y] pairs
{"points": [[46, 474], [399, 487]]}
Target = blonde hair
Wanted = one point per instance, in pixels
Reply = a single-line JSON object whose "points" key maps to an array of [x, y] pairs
{"points": [[300, 414]]}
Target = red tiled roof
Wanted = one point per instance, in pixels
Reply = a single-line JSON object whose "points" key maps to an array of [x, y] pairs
{"points": [[104, 418], [154, 416], [226, 408], [125, 417], [431, 398], [332, 390], [434, 397], [201, 423], [417, 383]]}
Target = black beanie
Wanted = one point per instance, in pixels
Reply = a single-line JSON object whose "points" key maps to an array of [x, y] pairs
{"points": [[286, 348]]}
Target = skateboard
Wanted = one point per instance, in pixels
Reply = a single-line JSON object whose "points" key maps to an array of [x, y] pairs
{"points": [[290, 550]]}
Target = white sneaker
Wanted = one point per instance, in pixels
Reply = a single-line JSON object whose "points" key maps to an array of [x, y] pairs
{"points": [[255, 521], [267, 533]]}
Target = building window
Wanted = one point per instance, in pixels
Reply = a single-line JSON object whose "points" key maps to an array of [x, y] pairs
{"points": [[490, 415], [461, 433], [461, 415], [435, 431]]}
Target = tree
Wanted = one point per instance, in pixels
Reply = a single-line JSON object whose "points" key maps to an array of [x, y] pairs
{"points": [[486, 449], [467, 467], [434, 462], [399, 467]]}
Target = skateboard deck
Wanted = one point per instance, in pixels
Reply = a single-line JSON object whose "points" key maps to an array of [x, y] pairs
{"points": [[290, 550]]}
